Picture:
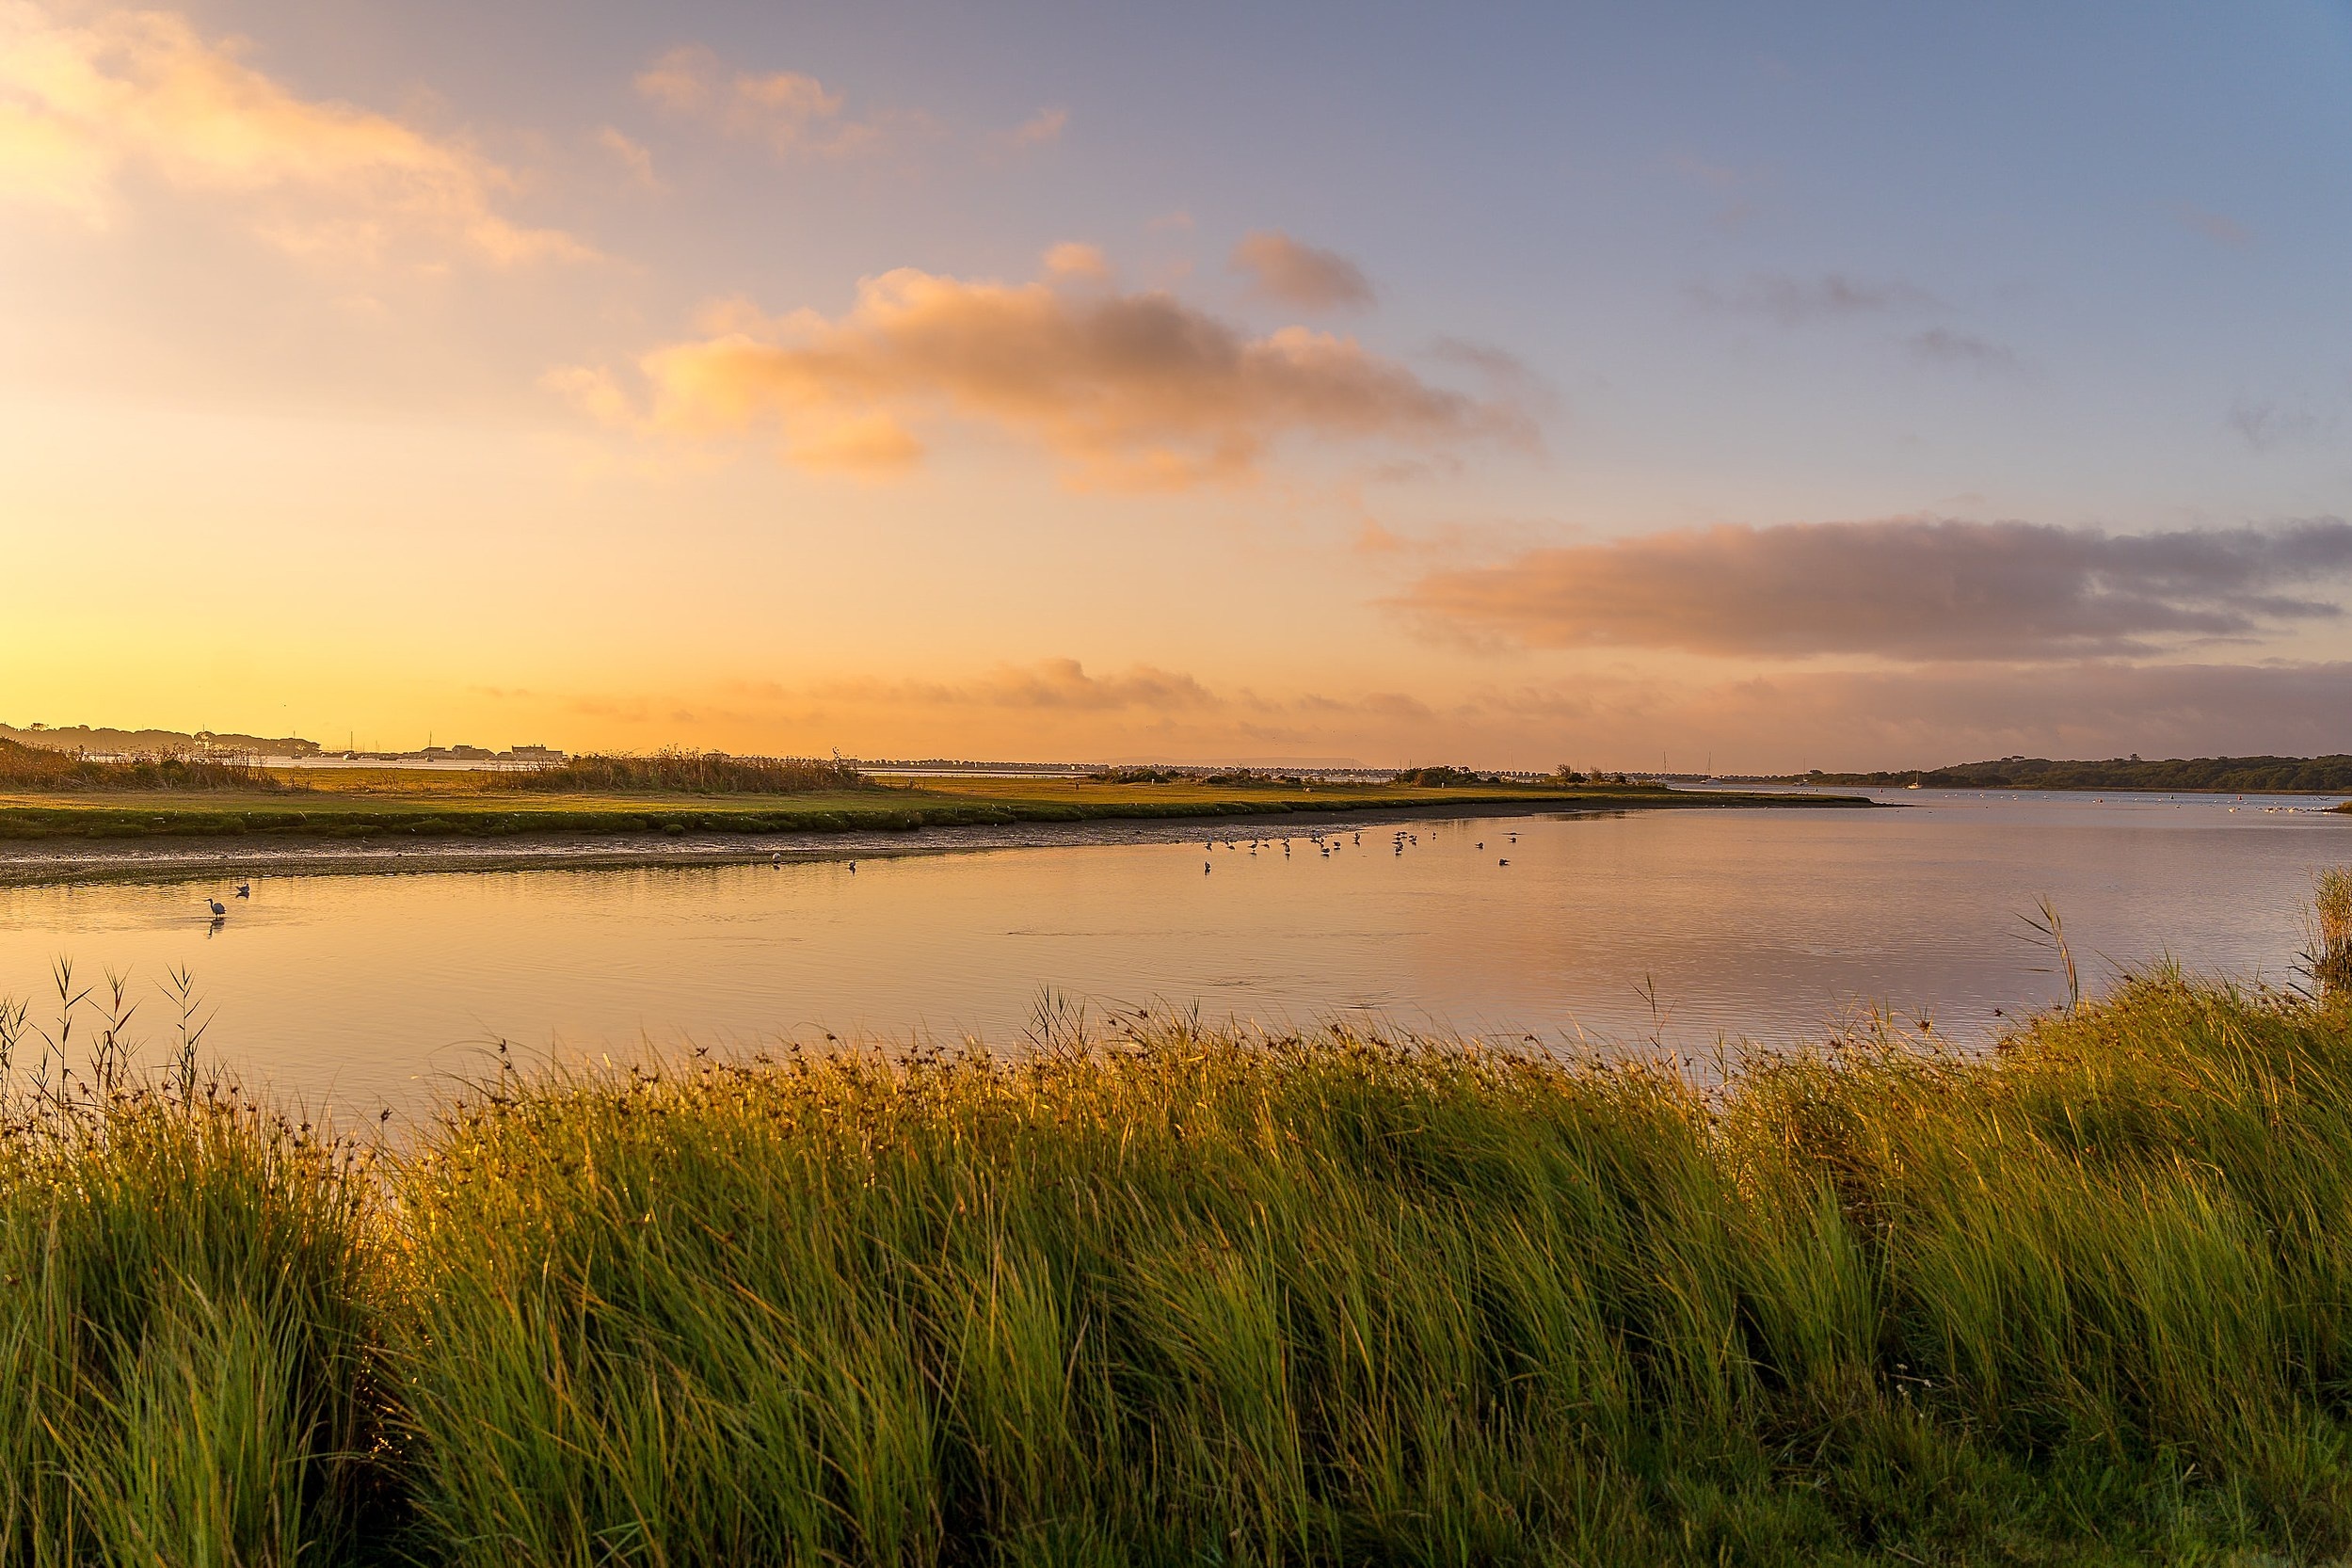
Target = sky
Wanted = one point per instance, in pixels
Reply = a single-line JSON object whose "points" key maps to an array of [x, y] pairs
{"points": [[1748, 389]]}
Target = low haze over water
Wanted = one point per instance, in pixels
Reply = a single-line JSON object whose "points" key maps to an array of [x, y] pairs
{"points": [[373, 989]]}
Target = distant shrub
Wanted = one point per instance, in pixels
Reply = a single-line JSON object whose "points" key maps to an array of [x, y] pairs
{"points": [[1137, 776], [1443, 778], [695, 773]]}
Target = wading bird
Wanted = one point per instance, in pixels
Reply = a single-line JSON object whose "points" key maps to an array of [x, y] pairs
{"points": [[219, 909]]}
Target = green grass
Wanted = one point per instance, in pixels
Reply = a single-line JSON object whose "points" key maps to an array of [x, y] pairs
{"points": [[403, 808], [1148, 1295]]}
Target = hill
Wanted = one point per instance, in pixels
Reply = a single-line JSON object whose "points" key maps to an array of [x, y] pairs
{"points": [[2177, 774]]}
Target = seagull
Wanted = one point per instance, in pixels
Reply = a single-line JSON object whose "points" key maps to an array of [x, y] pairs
{"points": [[245, 890]]}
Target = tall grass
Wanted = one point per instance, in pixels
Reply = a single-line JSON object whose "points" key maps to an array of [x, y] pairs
{"points": [[683, 772], [190, 1312], [23, 767], [1163, 1296], [2331, 933]]}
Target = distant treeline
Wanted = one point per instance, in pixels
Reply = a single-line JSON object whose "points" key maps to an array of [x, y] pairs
{"points": [[1419, 778], [23, 767], [154, 742], [692, 772], [2210, 774]]}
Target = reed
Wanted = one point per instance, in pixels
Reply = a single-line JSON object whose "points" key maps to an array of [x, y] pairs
{"points": [[2331, 933], [1156, 1294], [23, 767], [682, 772]]}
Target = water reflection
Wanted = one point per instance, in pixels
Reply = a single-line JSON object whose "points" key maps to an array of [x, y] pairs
{"points": [[1682, 925]]}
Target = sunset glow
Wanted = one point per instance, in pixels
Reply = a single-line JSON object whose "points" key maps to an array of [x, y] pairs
{"points": [[1805, 387]]}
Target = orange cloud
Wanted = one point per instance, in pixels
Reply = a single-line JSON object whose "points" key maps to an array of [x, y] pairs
{"points": [[1130, 390], [792, 113], [1071, 259], [1051, 684], [1290, 273], [80, 105], [1901, 588], [631, 156], [1039, 129]]}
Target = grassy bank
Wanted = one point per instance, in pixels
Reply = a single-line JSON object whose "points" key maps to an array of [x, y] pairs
{"points": [[402, 808], [1168, 1298]]}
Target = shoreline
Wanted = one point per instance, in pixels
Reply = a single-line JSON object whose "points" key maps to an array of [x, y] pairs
{"points": [[37, 861]]}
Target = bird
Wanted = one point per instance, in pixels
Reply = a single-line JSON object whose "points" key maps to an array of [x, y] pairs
{"points": [[853, 868], [1204, 868], [1481, 843], [779, 859], [1503, 862], [217, 908], [245, 890]]}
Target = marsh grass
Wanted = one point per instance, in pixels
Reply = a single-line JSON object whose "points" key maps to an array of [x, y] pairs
{"points": [[676, 771], [189, 1303], [2331, 933], [1156, 1294], [30, 768]]}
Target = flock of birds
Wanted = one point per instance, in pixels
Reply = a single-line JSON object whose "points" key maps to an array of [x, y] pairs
{"points": [[1324, 846], [1331, 845]]}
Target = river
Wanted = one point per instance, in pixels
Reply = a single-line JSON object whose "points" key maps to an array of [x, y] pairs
{"points": [[1683, 928]]}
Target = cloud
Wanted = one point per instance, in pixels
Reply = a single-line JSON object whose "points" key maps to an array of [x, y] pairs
{"points": [[1287, 272], [1040, 129], [792, 113], [632, 156], [2215, 227], [1943, 346], [1134, 390], [1073, 260], [82, 104], [1801, 301], [1927, 717], [2266, 425], [1903, 588], [1049, 684], [1510, 377]]}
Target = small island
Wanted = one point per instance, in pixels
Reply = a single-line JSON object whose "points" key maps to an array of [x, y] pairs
{"points": [[708, 805]]}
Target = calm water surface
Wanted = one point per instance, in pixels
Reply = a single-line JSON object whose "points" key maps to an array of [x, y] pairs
{"points": [[1766, 926]]}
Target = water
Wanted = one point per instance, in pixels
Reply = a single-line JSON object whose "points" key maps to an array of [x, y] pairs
{"points": [[373, 989]]}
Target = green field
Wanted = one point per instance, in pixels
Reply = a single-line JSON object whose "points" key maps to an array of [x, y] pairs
{"points": [[1153, 1297], [393, 806]]}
